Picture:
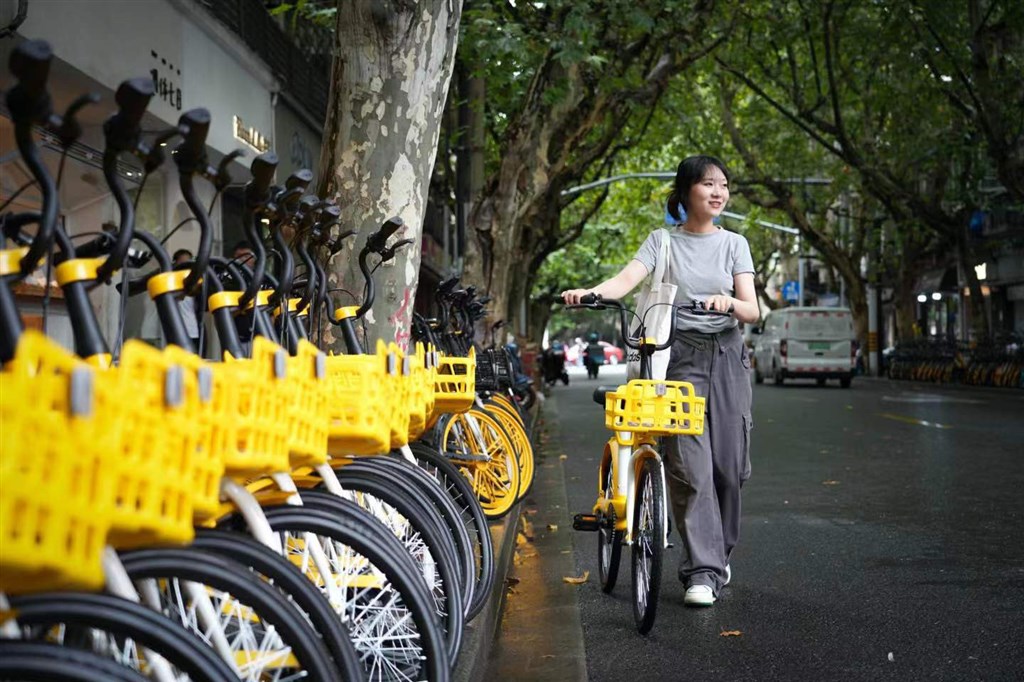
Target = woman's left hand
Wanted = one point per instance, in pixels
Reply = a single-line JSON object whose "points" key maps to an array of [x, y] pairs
{"points": [[720, 303]]}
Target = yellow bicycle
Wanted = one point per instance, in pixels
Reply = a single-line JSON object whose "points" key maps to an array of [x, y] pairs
{"points": [[632, 507]]}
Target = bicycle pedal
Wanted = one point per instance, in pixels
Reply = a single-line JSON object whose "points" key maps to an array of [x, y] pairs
{"points": [[586, 522], [671, 545]]}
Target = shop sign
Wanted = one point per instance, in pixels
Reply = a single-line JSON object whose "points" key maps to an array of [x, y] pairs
{"points": [[251, 136]]}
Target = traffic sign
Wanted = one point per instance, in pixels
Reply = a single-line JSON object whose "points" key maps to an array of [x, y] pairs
{"points": [[791, 291]]}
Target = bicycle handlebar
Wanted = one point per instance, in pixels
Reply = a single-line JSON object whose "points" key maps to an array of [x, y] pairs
{"points": [[597, 302], [122, 132], [29, 103]]}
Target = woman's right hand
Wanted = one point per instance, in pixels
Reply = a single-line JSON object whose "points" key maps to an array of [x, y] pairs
{"points": [[573, 296]]}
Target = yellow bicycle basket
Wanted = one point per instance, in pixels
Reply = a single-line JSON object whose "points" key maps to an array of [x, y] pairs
{"points": [[359, 403], [421, 392], [214, 425], [307, 406], [261, 445], [455, 383], [158, 408], [658, 408], [399, 382], [57, 487]]}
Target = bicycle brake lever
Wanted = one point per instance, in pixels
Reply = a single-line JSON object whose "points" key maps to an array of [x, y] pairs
{"points": [[222, 178], [389, 253], [70, 129]]}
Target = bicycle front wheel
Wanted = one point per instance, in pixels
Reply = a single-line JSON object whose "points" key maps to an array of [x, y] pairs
{"points": [[46, 662], [478, 445], [648, 543]]}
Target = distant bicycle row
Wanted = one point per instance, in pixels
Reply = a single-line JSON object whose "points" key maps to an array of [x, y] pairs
{"points": [[997, 363]]}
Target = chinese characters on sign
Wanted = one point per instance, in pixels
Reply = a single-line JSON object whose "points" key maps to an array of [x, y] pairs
{"points": [[164, 83]]}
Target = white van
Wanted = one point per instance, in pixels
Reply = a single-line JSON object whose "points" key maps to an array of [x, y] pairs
{"points": [[806, 343]]}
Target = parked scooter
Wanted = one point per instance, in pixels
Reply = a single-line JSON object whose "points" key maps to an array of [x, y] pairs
{"points": [[553, 364]]}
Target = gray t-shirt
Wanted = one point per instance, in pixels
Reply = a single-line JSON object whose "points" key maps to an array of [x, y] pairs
{"points": [[702, 265]]}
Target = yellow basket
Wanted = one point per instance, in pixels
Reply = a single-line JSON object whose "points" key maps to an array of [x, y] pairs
{"points": [[400, 386], [153, 463], [307, 407], [658, 408], [261, 445], [57, 488], [455, 383], [215, 427], [421, 392], [360, 403]]}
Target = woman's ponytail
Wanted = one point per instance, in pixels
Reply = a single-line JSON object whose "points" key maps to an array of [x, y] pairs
{"points": [[673, 205]]}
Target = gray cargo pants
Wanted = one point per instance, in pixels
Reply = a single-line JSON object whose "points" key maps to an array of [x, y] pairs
{"points": [[706, 472]]}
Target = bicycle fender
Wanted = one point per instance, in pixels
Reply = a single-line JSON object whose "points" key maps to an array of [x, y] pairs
{"points": [[641, 454]]}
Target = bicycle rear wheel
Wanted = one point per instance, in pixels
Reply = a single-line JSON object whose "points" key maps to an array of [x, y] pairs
{"points": [[609, 545], [516, 432], [648, 543], [478, 445]]}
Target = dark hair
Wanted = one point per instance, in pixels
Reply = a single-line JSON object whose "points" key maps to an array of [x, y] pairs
{"points": [[181, 252], [243, 244], [691, 171]]}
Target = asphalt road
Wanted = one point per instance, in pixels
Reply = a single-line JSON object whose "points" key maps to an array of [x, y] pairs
{"points": [[883, 538]]}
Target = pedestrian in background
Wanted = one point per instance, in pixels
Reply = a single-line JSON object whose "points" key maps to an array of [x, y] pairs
{"points": [[242, 254], [706, 472], [189, 305]]}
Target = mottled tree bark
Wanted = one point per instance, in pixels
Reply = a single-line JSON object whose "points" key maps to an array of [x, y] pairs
{"points": [[392, 68]]}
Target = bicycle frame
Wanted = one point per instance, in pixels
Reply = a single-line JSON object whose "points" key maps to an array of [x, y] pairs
{"points": [[625, 462]]}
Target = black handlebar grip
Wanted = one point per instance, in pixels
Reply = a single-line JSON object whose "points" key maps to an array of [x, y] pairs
{"points": [[378, 240], [300, 178], [448, 284], [190, 155], [122, 129], [590, 299], [30, 64], [263, 168], [132, 98], [390, 226]]}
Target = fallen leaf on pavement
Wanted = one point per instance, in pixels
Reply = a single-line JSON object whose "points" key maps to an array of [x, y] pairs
{"points": [[563, 457], [730, 633], [577, 581], [552, 527], [830, 482]]}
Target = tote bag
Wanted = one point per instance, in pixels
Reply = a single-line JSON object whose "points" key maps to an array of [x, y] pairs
{"points": [[660, 320]]}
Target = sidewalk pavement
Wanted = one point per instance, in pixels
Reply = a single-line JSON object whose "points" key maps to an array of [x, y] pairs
{"points": [[541, 635]]}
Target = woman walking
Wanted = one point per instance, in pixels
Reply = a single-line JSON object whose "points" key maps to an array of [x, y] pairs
{"points": [[706, 472]]}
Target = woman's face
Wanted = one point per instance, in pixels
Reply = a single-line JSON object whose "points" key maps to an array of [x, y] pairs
{"points": [[708, 197]]}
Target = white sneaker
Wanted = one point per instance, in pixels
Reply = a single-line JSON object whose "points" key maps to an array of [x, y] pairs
{"points": [[728, 575], [699, 595]]}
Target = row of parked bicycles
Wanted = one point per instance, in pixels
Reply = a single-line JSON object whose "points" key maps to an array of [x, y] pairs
{"points": [[281, 514], [998, 363]]}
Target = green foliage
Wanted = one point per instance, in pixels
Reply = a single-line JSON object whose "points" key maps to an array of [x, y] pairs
{"points": [[320, 12]]}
